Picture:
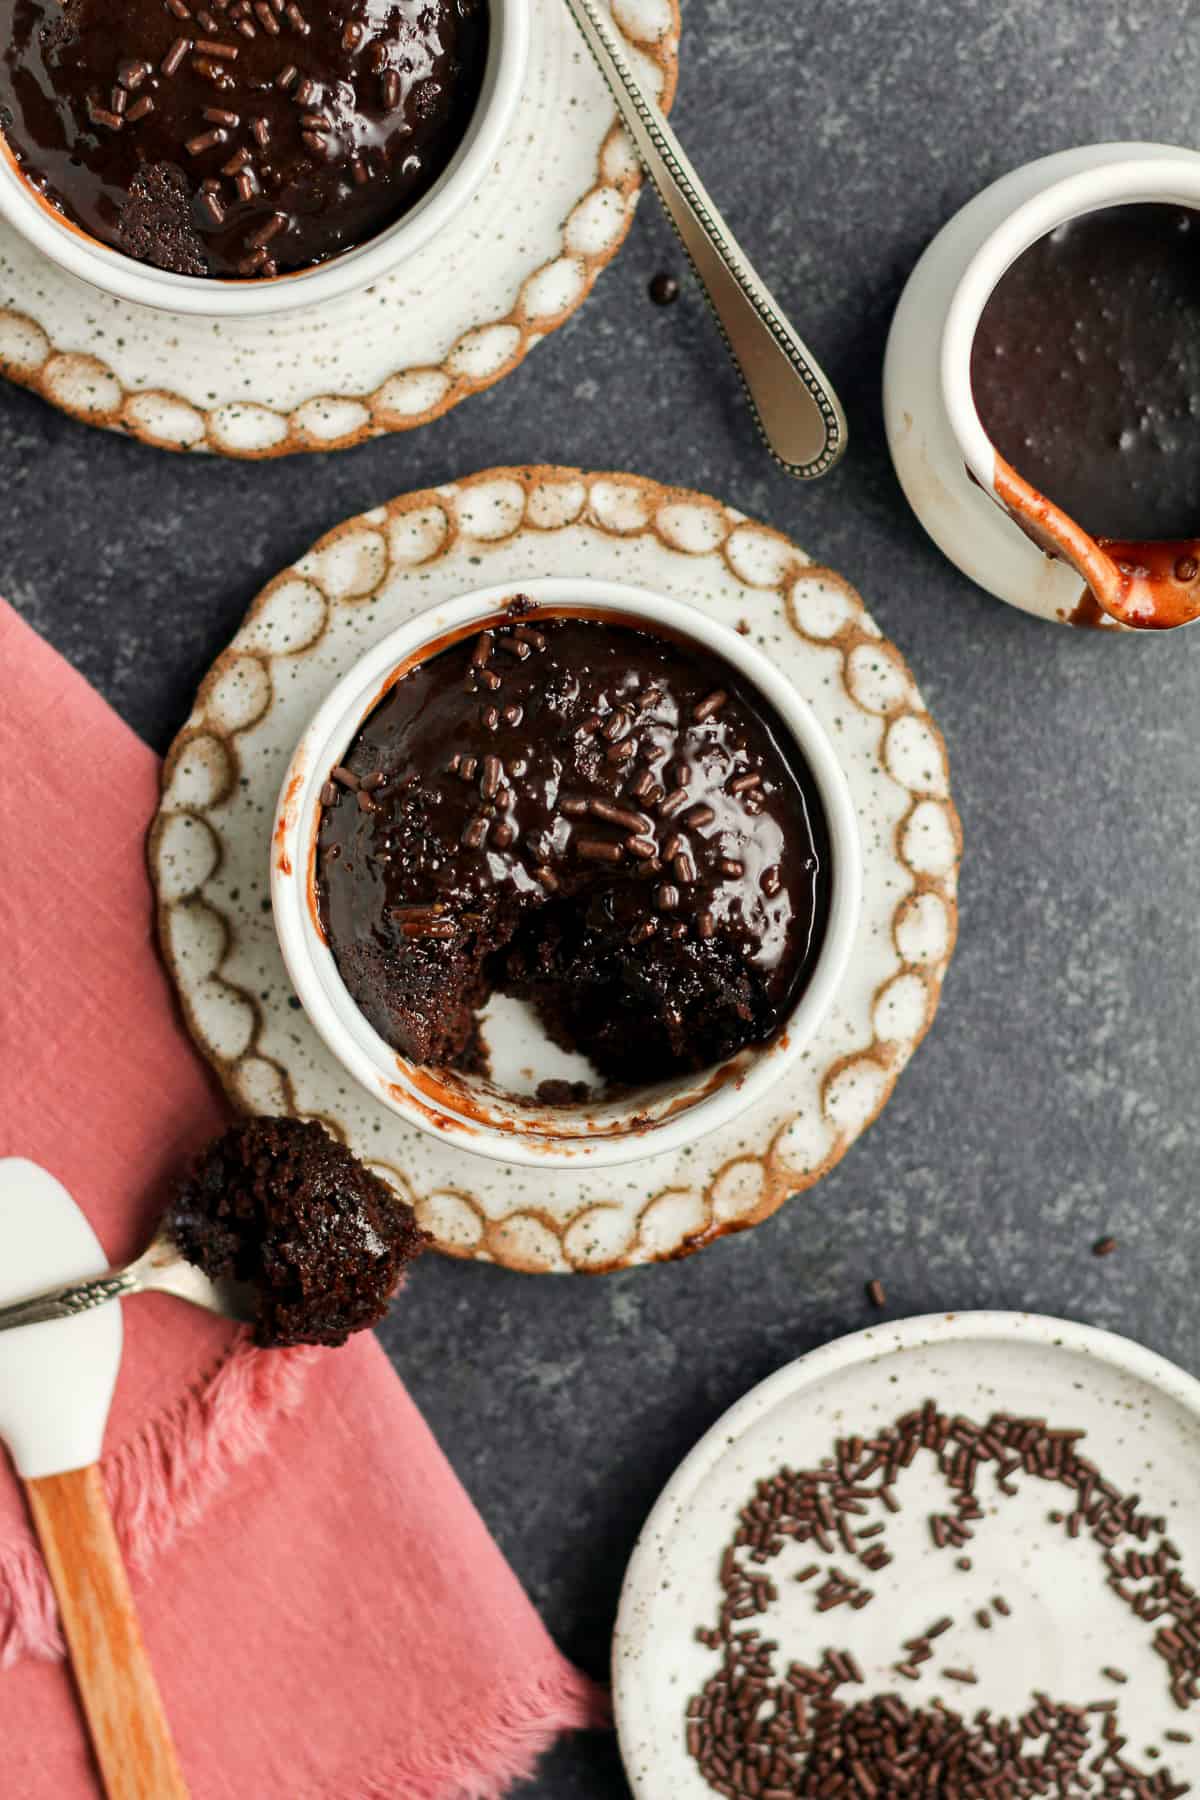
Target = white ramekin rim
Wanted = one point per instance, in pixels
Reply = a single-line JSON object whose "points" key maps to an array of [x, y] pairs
{"points": [[126, 279], [373, 1063], [1160, 179]]}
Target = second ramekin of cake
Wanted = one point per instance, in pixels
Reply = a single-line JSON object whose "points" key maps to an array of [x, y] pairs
{"points": [[566, 873], [242, 157]]}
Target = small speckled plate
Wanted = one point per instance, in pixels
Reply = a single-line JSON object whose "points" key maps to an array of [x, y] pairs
{"points": [[510, 267], [209, 850], [1065, 1624]]}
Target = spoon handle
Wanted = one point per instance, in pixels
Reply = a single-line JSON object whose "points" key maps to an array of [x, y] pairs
{"points": [[126, 1720], [76, 1297], [796, 409]]}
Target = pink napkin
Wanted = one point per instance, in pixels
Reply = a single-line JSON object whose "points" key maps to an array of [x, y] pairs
{"points": [[326, 1612]]}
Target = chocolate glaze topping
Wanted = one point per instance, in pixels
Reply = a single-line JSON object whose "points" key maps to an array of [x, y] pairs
{"points": [[1086, 371], [237, 137], [277, 1203], [606, 822]]}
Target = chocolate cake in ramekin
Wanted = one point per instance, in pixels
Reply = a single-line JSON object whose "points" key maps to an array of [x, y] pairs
{"points": [[568, 871], [245, 156]]}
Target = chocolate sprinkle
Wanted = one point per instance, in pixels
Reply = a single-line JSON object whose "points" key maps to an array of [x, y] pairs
{"points": [[206, 140], [618, 815], [599, 850], [173, 60]]}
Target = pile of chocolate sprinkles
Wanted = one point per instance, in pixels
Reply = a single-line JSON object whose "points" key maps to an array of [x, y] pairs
{"points": [[757, 1734], [828, 1747]]}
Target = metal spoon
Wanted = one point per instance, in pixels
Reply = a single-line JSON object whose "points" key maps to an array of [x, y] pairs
{"points": [[159, 1269], [796, 409]]}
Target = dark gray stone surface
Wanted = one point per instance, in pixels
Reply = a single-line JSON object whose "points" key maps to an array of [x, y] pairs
{"points": [[1055, 1099]]}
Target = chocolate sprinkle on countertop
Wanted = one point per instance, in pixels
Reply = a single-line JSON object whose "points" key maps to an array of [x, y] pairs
{"points": [[876, 1293], [663, 289], [555, 907]]}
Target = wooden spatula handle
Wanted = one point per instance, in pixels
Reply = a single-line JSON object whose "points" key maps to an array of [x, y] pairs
{"points": [[120, 1696]]}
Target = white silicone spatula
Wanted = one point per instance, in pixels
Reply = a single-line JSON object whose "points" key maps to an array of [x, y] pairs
{"points": [[56, 1386]]}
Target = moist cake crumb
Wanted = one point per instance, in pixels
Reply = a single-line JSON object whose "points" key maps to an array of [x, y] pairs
{"points": [[282, 1206]]}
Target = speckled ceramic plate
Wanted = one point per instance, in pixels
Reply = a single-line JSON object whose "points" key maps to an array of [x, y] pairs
{"points": [[209, 849], [512, 266], [1060, 1625]]}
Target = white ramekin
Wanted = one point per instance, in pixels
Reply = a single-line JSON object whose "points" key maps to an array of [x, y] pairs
{"points": [[469, 1112], [127, 279]]}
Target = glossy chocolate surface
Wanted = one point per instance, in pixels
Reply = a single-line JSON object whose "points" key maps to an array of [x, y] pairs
{"points": [[598, 818], [237, 137], [1086, 370]]}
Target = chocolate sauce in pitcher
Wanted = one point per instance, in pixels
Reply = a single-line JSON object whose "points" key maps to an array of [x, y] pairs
{"points": [[1086, 375]]}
